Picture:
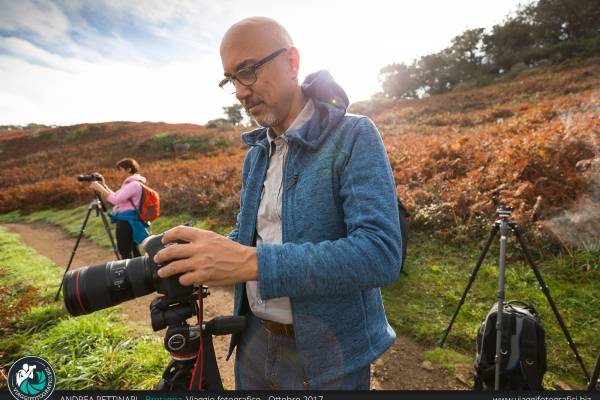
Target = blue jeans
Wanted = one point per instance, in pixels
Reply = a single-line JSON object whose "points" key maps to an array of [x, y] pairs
{"points": [[265, 361]]}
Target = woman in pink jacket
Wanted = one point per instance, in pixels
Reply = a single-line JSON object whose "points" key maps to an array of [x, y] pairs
{"points": [[131, 230]]}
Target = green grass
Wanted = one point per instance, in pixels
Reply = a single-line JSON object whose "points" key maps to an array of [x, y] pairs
{"points": [[23, 267], [96, 351], [422, 301], [71, 221], [446, 358]]}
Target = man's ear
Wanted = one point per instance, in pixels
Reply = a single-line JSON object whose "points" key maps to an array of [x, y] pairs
{"points": [[294, 62]]}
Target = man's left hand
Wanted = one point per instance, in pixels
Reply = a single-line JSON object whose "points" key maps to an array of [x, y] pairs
{"points": [[208, 258]]}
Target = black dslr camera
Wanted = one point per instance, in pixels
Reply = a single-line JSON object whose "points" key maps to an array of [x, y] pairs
{"points": [[93, 177], [93, 288]]}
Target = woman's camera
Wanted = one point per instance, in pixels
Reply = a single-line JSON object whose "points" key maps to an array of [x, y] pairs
{"points": [[93, 177]]}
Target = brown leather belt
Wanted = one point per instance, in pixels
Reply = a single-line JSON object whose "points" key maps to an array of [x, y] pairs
{"points": [[277, 329]]}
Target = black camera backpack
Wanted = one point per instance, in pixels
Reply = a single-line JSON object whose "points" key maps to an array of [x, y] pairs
{"points": [[523, 349]]}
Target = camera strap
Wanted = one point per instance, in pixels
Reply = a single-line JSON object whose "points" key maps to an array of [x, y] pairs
{"points": [[199, 357]]}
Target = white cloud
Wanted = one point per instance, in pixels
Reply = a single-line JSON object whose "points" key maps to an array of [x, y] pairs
{"points": [[41, 18], [76, 92], [158, 59], [29, 52]]}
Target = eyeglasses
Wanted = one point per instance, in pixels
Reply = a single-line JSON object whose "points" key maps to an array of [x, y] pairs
{"points": [[246, 75]]}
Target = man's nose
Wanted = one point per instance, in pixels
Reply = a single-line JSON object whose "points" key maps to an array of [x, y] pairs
{"points": [[241, 91]]}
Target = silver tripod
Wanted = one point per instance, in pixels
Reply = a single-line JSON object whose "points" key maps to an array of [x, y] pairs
{"points": [[505, 225]]}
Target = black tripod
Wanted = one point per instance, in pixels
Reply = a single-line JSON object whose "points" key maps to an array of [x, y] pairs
{"points": [[187, 370], [594, 381], [504, 224], [98, 205]]}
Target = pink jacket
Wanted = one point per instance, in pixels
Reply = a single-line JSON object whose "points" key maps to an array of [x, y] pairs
{"points": [[128, 197]]}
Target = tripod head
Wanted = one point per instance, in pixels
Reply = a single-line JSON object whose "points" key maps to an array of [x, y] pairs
{"points": [[98, 203], [504, 223], [190, 345], [166, 312], [504, 212]]}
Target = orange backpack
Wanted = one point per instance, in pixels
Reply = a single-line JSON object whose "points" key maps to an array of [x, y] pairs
{"points": [[149, 207]]}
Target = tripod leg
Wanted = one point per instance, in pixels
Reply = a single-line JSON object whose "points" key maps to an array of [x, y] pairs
{"points": [[176, 375], [546, 292], [500, 307], [108, 231], [594, 381], [471, 280], [211, 378], [81, 231]]}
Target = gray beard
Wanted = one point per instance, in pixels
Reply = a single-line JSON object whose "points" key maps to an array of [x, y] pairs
{"points": [[268, 121]]}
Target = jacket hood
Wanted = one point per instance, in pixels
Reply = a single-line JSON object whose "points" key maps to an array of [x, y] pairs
{"points": [[330, 103], [133, 178]]}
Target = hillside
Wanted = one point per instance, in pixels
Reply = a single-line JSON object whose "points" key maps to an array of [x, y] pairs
{"points": [[194, 168], [531, 143]]}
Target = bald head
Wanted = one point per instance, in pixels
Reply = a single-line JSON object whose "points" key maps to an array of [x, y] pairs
{"points": [[257, 30], [274, 97]]}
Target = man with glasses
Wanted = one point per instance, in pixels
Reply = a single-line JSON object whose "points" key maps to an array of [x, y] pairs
{"points": [[317, 234]]}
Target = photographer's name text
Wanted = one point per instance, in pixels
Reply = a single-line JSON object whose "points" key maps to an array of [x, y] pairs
{"points": [[98, 397]]}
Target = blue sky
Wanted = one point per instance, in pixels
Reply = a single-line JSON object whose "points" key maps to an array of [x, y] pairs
{"points": [[74, 61]]}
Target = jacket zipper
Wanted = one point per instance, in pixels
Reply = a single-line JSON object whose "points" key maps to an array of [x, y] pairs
{"points": [[255, 233], [284, 195], [294, 180]]}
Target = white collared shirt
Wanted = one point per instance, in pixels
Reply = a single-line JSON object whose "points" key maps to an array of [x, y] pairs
{"points": [[268, 220]]}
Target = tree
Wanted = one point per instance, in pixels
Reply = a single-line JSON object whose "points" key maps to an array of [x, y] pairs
{"points": [[234, 114], [510, 43], [551, 30], [559, 20], [436, 72], [466, 55], [467, 46], [249, 118], [399, 81]]}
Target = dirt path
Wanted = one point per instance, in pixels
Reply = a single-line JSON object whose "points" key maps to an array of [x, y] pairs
{"points": [[401, 368]]}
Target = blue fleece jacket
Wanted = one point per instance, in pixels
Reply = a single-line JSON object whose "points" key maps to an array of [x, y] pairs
{"points": [[340, 231]]}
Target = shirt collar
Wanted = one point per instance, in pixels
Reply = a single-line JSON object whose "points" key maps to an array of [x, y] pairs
{"points": [[302, 118]]}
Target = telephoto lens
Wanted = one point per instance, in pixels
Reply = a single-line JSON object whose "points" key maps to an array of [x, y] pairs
{"points": [[93, 288]]}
